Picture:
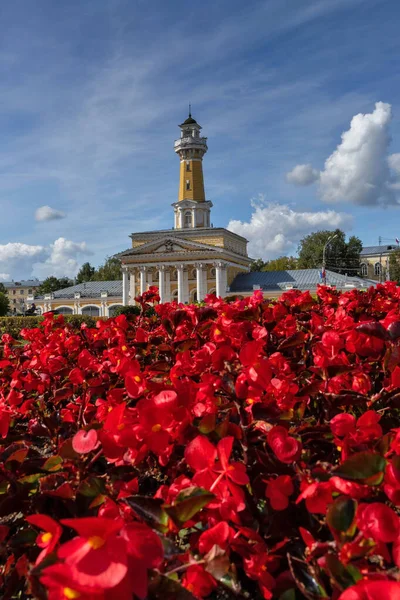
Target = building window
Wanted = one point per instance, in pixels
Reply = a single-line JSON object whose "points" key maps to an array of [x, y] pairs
{"points": [[187, 219], [21, 292], [377, 268], [14, 292], [14, 301], [29, 291], [364, 270], [187, 165], [187, 184]]}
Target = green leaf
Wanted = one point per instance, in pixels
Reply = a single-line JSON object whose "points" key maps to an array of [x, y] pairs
{"points": [[297, 339], [188, 503], [91, 487], [150, 510], [342, 576], [288, 595], [164, 588], [373, 329], [341, 513], [363, 465], [53, 463], [305, 579]]}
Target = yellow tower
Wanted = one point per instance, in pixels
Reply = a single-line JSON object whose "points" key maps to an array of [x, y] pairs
{"points": [[192, 208]]}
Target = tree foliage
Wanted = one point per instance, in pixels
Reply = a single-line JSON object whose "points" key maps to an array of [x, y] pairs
{"points": [[394, 265], [52, 284], [282, 263], [86, 273], [341, 256], [110, 271], [4, 304]]}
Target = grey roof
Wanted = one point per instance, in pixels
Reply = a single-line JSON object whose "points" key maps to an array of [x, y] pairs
{"points": [[22, 283], [91, 289], [301, 278], [376, 250]]}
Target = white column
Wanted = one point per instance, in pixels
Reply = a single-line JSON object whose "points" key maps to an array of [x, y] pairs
{"points": [[180, 283], [149, 278], [161, 283], [132, 287], [186, 286], [218, 280], [142, 280], [125, 287], [199, 282], [106, 312], [167, 285]]}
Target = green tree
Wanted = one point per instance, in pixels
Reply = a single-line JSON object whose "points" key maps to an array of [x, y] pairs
{"points": [[4, 305], [394, 265], [110, 271], [3, 289], [257, 265], [341, 256], [86, 273], [282, 263], [50, 284]]}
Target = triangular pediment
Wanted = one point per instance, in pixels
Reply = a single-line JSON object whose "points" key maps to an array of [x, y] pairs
{"points": [[170, 245]]}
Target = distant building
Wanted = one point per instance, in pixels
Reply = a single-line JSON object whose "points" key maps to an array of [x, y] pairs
{"points": [[375, 261], [20, 294], [273, 283], [94, 298]]}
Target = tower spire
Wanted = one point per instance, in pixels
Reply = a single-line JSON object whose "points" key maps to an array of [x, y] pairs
{"points": [[190, 110]]}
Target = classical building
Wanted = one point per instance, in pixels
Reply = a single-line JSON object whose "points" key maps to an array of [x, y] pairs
{"points": [[193, 258]]}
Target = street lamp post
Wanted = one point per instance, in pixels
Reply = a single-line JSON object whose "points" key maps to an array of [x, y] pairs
{"points": [[328, 241]]}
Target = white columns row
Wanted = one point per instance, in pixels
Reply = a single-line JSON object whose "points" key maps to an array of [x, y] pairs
{"points": [[164, 282]]}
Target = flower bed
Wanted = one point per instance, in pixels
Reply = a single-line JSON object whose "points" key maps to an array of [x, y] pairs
{"points": [[241, 450]]}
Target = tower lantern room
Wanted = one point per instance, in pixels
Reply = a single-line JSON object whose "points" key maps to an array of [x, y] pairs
{"points": [[192, 208]]}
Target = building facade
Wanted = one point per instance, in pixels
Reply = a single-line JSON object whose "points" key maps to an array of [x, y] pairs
{"points": [[20, 294], [375, 262]]}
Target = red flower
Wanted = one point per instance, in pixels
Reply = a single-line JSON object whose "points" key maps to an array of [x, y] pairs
{"points": [[218, 535], [317, 496], [286, 448], [378, 521], [47, 540], [98, 556], [372, 590], [198, 581], [278, 491], [84, 442], [60, 584]]}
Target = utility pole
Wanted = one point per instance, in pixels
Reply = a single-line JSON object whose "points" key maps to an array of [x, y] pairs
{"points": [[328, 241]]}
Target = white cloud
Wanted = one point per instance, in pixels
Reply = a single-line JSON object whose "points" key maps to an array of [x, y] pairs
{"points": [[47, 213], [62, 259], [358, 170], [23, 260], [276, 229], [302, 175]]}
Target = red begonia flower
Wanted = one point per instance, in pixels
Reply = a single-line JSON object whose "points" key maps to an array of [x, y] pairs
{"points": [[372, 590], [286, 448], [98, 556], [198, 581], [278, 491], [215, 536], [84, 442], [378, 521], [47, 540]]}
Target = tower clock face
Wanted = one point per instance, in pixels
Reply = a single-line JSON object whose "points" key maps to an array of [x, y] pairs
{"points": [[187, 133]]}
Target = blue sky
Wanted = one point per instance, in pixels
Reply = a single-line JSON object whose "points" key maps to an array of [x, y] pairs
{"points": [[91, 94]]}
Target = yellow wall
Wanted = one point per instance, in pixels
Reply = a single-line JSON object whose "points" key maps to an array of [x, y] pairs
{"points": [[195, 177]]}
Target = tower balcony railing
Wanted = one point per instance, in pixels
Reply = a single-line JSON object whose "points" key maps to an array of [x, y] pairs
{"points": [[191, 141]]}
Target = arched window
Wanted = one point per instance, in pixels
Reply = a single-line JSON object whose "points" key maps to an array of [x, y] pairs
{"points": [[187, 222], [63, 310], [92, 311], [112, 309], [364, 269], [377, 268]]}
